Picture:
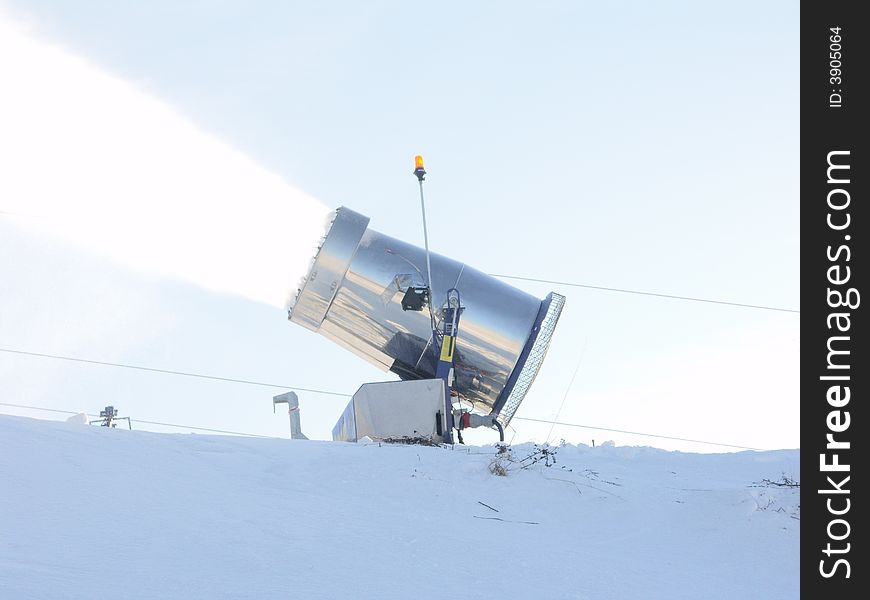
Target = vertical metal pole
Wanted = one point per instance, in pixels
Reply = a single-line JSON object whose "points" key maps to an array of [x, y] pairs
{"points": [[448, 403], [426, 246]]}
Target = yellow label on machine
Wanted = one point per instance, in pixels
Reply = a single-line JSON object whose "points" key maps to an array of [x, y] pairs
{"points": [[447, 348]]}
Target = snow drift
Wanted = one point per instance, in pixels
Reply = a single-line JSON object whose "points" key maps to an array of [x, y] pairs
{"points": [[88, 512]]}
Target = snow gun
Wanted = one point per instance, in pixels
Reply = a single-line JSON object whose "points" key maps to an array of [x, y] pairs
{"points": [[399, 307]]}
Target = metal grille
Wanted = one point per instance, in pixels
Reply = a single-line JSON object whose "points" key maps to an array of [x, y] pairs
{"points": [[535, 359]]}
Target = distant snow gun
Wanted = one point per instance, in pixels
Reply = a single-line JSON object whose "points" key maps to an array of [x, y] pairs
{"points": [[108, 418]]}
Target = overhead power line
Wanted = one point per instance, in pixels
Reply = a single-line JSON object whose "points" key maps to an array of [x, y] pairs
{"points": [[256, 435], [18, 214], [56, 410], [170, 372], [642, 293], [654, 435], [317, 391], [72, 412]]}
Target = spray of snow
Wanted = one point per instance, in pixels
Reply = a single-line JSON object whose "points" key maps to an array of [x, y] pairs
{"points": [[101, 163]]}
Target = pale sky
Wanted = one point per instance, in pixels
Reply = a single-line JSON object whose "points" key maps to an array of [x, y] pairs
{"points": [[168, 166]]}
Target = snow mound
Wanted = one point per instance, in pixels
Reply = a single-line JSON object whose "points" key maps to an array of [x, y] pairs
{"points": [[89, 512]]}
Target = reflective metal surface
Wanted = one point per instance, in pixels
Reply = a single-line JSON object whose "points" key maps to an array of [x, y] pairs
{"points": [[353, 294]]}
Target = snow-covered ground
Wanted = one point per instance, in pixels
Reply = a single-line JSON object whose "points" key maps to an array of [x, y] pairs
{"points": [[88, 512]]}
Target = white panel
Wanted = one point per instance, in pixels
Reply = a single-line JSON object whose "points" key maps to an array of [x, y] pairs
{"points": [[398, 408]]}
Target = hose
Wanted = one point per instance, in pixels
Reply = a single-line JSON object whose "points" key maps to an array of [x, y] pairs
{"points": [[500, 429]]}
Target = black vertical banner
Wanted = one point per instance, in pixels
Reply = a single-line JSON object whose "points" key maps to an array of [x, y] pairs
{"points": [[835, 224]]}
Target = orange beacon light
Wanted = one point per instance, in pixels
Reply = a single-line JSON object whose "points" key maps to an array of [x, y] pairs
{"points": [[419, 171]]}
